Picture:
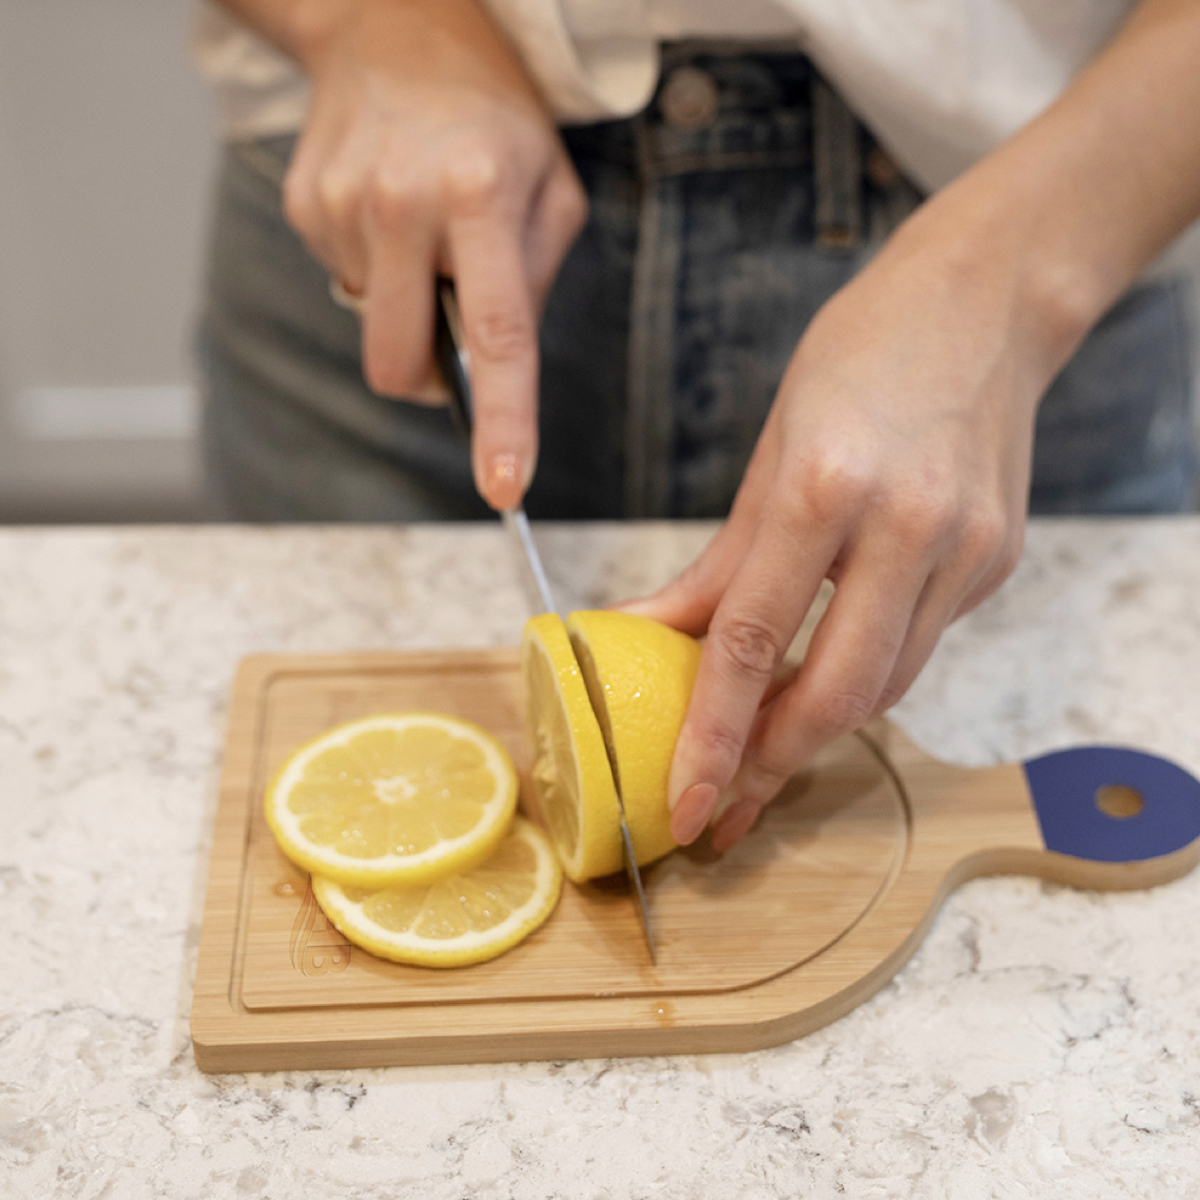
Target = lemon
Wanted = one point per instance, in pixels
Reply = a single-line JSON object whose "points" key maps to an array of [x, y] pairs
{"points": [[571, 772], [606, 695], [639, 675], [394, 799], [461, 919]]}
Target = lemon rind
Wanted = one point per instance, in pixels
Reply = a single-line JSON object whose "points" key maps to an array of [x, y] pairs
{"points": [[446, 857], [412, 950]]}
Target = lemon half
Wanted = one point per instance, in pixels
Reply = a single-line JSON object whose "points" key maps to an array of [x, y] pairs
{"points": [[394, 799], [571, 772], [639, 675], [606, 695], [464, 918]]}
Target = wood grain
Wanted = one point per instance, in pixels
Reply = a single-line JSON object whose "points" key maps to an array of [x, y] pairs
{"points": [[808, 916]]}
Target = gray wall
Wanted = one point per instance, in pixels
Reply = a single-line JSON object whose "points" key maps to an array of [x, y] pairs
{"points": [[106, 144], [106, 147]]}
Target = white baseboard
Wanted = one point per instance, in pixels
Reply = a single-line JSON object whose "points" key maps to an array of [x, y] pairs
{"points": [[121, 414]]}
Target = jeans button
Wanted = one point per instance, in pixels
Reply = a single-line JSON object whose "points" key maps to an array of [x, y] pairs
{"points": [[689, 99]]}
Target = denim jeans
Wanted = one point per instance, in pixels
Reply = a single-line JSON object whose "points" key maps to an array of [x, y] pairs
{"points": [[721, 219]]}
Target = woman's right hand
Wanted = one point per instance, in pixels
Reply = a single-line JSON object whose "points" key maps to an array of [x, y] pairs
{"points": [[428, 151]]}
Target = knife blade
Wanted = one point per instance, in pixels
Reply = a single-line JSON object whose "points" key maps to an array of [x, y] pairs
{"points": [[454, 362]]}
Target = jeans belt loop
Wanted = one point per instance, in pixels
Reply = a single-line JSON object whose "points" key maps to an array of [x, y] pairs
{"points": [[837, 170]]}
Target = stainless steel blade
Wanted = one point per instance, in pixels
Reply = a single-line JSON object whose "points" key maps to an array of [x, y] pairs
{"points": [[455, 365], [537, 584], [634, 876]]}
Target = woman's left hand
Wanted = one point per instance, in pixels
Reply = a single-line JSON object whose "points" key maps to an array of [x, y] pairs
{"points": [[895, 462], [896, 459]]}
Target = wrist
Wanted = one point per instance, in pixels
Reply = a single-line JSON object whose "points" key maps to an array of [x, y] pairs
{"points": [[312, 25], [1071, 208], [1062, 281], [998, 238]]}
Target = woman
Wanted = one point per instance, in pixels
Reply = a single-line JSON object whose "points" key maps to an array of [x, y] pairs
{"points": [[740, 300]]}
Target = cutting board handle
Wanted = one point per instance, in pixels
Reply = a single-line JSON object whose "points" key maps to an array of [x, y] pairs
{"points": [[1109, 804]]}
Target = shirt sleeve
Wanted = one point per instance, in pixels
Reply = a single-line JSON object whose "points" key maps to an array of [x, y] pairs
{"points": [[592, 59]]}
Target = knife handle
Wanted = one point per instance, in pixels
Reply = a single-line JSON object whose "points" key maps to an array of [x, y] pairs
{"points": [[450, 350], [1114, 805]]}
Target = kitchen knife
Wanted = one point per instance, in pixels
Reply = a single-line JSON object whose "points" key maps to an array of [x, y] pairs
{"points": [[450, 351], [455, 364]]}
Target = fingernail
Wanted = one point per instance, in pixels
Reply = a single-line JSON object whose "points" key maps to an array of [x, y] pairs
{"points": [[503, 469], [734, 825], [691, 812], [506, 481]]}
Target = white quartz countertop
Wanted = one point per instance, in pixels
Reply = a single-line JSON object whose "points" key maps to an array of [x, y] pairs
{"points": [[1042, 1042]]}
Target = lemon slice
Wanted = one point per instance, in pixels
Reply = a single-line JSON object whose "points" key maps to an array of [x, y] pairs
{"points": [[571, 772], [465, 918], [639, 675], [394, 799]]}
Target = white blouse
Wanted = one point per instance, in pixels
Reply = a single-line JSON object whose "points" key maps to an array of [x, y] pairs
{"points": [[939, 82]]}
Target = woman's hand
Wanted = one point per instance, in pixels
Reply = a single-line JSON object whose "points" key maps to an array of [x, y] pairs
{"points": [[427, 151], [895, 462], [896, 459]]}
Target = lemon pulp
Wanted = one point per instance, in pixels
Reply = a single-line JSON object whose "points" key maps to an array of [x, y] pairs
{"points": [[571, 772], [606, 695], [398, 798], [460, 919]]}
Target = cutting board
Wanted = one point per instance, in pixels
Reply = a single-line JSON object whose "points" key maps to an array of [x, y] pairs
{"points": [[804, 919]]}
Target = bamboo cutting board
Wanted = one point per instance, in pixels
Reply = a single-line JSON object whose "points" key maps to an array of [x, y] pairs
{"points": [[808, 916]]}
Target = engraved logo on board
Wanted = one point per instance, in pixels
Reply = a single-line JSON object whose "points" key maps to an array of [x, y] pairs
{"points": [[316, 947]]}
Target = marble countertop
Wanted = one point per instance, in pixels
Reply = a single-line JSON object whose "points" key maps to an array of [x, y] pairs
{"points": [[1041, 1042]]}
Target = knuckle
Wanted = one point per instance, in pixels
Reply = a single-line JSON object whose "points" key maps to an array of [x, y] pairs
{"points": [[472, 180], [502, 335], [840, 711], [763, 784], [722, 743], [389, 200], [922, 517], [749, 646], [984, 535], [766, 768], [891, 695], [769, 783], [830, 484], [339, 195]]}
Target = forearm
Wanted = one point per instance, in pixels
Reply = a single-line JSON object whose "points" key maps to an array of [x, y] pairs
{"points": [[291, 25], [1061, 218], [303, 28]]}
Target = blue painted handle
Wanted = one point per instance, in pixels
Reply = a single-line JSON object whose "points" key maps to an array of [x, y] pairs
{"points": [[1064, 786]]}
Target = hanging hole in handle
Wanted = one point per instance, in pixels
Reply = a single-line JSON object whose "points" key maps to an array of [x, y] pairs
{"points": [[1119, 800]]}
